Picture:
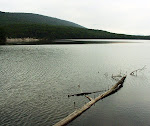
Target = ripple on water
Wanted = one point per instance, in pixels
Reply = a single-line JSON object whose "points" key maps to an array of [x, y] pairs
{"points": [[35, 82]]}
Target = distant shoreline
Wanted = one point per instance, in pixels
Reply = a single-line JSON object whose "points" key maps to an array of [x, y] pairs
{"points": [[34, 41], [22, 41], [10, 40]]}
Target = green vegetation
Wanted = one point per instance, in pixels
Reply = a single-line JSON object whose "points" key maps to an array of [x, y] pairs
{"points": [[61, 32], [2, 36], [23, 25], [29, 18]]}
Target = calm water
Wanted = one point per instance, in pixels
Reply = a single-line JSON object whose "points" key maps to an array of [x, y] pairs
{"points": [[36, 79]]}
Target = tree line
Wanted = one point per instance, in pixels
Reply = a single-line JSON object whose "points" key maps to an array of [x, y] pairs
{"points": [[48, 32], [2, 36]]}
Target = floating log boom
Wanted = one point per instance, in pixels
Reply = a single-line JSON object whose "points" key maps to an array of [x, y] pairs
{"points": [[79, 111]]}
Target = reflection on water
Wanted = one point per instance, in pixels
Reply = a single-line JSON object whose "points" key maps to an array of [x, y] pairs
{"points": [[35, 81]]}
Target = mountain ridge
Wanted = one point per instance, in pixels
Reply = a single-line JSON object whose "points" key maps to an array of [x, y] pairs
{"points": [[29, 25], [31, 18]]}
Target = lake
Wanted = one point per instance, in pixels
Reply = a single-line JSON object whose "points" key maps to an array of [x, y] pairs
{"points": [[35, 81]]}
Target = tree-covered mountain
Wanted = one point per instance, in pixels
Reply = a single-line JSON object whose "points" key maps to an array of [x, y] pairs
{"points": [[24, 25], [61, 32], [7, 18]]}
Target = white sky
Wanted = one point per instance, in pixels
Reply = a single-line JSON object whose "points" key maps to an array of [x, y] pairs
{"points": [[119, 16]]}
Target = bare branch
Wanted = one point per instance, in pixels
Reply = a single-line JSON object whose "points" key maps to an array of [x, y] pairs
{"points": [[89, 97], [134, 73], [116, 77], [85, 93]]}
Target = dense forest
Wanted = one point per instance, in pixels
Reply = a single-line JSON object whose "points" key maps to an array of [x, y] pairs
{"points": [[42, 31], [7, 18], [2, 36], [27, 25]]}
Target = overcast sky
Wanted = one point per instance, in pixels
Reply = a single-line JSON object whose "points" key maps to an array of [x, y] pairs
{"points": [[120, 16]]}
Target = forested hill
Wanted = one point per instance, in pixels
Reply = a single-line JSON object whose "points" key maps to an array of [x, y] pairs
{"points": [[7, 18], [24, 25], [61, 32]]}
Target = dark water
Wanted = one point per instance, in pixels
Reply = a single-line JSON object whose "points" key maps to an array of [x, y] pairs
{"points": [[36, 79]]}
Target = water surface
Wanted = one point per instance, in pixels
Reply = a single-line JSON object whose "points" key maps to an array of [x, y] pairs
{"points": [[36, 79]]}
